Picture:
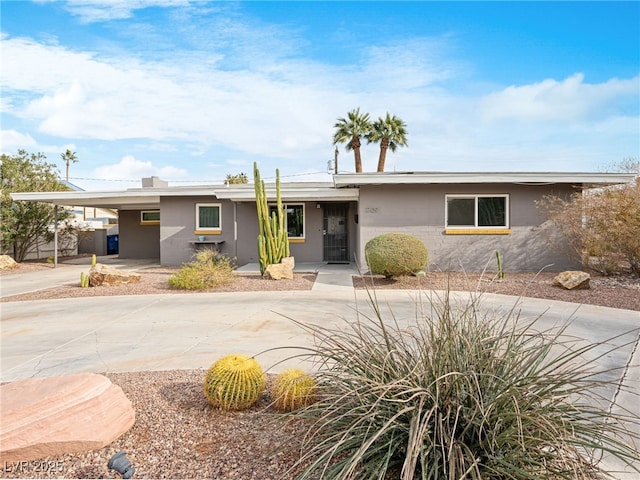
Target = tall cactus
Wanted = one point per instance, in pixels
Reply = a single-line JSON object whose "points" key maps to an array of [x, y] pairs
{"points": [[273, 241]]}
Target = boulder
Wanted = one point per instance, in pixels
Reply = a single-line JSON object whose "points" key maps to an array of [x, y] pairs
{"points": [[44, 417], [101, 274], [573, 280], [7, 263], [282, 270]]}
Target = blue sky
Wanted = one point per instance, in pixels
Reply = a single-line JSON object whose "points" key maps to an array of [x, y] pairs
{"points": [[193, 91]]}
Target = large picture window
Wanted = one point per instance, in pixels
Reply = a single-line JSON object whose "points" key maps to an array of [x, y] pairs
{"points": [[477, 211], [208, 216], [295, 219]]}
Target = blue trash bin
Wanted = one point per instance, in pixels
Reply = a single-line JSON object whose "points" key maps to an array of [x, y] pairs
{"points": [[112, 244]]}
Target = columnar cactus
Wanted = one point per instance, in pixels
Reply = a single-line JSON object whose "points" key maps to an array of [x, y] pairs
{"points": [[292, 389], [273, 241], [234, 382], [84, 280]]}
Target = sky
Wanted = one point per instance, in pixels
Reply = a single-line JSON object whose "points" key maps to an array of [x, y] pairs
{"points": [[191, 91]]}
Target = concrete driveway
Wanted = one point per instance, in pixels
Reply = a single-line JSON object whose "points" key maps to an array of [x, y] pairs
{"points": [[184, 331]]}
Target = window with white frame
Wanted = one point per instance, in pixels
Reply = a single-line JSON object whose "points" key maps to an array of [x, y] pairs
{"points": [[295, 219], [477, 211], [208, 216], [150, 216]]}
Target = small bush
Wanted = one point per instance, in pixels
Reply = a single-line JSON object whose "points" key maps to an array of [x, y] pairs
{"points": [[208, 270], [395, 254], [459, 395], [598, 228]]}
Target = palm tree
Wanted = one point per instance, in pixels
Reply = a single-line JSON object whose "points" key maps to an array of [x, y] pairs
{"points": [[349, 130], [391, 132], [69, 157]]}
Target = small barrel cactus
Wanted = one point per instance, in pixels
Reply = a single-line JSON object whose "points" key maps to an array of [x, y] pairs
{"points": [[234, 382], [292, 389]]}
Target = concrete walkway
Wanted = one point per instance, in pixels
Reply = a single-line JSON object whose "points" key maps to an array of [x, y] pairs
{"points": [[184, 331]]}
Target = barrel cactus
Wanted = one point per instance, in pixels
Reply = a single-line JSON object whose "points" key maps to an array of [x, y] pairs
{"points": [[396, 254], [292, 389], [234, 382]]}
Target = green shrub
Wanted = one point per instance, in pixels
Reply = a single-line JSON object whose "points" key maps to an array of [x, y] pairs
{"points": [[458, 394], [395, 254], [207, 270]]}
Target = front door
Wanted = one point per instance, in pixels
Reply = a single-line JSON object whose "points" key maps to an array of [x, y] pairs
{"points": [[335, 234]]}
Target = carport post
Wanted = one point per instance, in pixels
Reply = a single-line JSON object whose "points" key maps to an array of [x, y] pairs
{"points": [[55, 235]]}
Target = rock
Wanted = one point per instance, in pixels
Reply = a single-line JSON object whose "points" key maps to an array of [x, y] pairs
{"points": [[282, 270], [105, 275], [44, 417], [7, 263], [573, 280]]}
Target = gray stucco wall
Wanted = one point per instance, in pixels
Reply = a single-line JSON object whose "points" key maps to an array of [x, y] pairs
{"points": [[178, 224], [135, 240], [311, 250], [239, 231], [420, 211]]}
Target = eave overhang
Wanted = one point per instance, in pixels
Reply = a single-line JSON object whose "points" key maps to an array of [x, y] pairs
{"points": [[525, 178], [149, 198]]}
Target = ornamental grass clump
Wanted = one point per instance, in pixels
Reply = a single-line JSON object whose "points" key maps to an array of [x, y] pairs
{"points": [[208, 270], [457, 394]]}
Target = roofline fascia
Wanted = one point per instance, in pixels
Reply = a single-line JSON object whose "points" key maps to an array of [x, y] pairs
{"points": [[342, 180]]}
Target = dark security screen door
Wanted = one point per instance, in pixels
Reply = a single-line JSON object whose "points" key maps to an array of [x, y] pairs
{"points": [[335, 244]]}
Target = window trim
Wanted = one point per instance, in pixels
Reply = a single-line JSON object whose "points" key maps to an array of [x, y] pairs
{"points": [[210, 230], [149, 222], [476, 229], [304, 220]]}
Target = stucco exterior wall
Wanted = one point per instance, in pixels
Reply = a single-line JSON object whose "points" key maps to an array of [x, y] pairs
{"points": [[178, 227], [310, 250], [239, 231], [420, 211], [135, 240]]}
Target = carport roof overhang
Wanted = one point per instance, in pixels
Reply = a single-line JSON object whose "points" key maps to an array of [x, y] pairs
{"points": [[149, 198]]}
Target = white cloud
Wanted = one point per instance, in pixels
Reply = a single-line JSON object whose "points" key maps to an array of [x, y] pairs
{"points": [[103, 10], [550, 100], [129, 168], [11, 140]]}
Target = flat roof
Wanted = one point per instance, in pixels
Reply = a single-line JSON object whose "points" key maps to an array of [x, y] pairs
{"points": [[528, 178]]}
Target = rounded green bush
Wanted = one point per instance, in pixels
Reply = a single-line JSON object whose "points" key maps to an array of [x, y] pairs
{"points": [[396, 254]]}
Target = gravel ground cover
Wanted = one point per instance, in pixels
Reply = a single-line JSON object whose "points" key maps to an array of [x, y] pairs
{"points": [[178, 435]]}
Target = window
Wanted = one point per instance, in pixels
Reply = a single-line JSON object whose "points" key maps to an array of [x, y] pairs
{"points": [[208, 216], [477, 211], [150, 217], [295, 219]]}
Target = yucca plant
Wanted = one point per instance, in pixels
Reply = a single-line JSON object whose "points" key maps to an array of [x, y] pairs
{"points": [[459, 395]]}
